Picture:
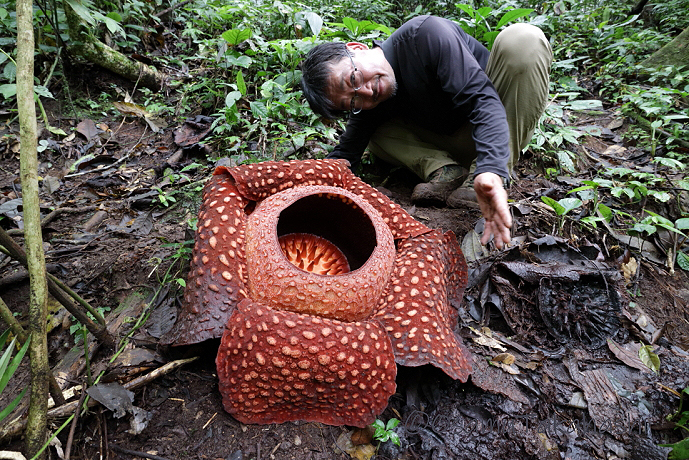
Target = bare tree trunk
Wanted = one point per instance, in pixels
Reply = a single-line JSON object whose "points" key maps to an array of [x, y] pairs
{"points": [[38, 348]]}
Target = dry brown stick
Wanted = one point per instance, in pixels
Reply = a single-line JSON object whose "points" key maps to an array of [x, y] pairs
{"points": [[75, 420], [21, 275], [16, 426], [98, 330], [51, 216], [136, 453]]}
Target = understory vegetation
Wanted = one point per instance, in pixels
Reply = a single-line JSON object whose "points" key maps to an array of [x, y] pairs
{"points": [[238, 63]]}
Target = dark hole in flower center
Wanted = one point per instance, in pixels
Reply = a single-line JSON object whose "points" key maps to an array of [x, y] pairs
{"points": [[334, 218]]}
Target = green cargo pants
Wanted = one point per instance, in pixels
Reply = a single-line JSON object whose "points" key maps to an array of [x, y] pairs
{"points": [[519, 67]]}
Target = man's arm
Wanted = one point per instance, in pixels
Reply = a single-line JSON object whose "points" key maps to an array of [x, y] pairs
{"points": [[354, 139]]}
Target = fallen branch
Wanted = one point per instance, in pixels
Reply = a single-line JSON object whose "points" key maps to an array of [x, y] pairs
{"points": [[51, 216], [98, 330], [16, 426]]}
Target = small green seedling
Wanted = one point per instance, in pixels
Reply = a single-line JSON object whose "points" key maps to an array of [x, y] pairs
{"points": [[680, 450], [562, 207], [385, 433]]}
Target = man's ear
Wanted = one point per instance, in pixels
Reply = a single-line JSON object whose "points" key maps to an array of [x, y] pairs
{"points": [[356, 46]]}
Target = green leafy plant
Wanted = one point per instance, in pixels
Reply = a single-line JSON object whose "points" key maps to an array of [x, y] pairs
{"points": [[680, 450], [479, 26], [386, 432], [562, 207], [8, 366]]}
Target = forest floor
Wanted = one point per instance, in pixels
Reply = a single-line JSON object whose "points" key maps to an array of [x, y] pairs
{"points": [[569, 394]]}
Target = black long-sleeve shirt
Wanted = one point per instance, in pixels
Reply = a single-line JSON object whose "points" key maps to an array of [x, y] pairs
{"points": [[442, 84]]}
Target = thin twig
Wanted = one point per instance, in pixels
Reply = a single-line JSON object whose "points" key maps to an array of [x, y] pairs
{"points": [[16, 426], [136, 453], [75, 420]]}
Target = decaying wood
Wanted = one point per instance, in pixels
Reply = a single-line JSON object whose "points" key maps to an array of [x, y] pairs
{"points": [[16, 426], [87, 46], [675, 53]]}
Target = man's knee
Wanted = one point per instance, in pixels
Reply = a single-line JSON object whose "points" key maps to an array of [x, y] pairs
{"points": [[523, 46]]}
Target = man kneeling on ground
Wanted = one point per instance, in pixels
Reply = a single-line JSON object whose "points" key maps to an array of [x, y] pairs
{"points": [[433, 99]]}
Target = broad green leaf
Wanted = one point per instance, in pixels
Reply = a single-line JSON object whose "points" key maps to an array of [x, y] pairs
{"points": [[392, 424], [241, 84], [259, 109], [241, 60], [315, 22], [641, 228], [115, 16], [3, 57], [591, 220], [83, 12], [680, 450], [649, 358], [236, 36], [565, 159], [484, 11], [605, 211], [586, 104], [8, 90], [663, 197], [10, 71], [669, 162], [112, 25], [43, 91], [351, 24], [467, 9], [683, 261], [580, 189], [395, 439], [569, 204], [512, 15], [559, 210], [232, 98], [682, 223]]}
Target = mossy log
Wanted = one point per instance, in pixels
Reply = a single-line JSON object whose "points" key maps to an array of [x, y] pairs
{"points": [[674, 53], [87, 46]]}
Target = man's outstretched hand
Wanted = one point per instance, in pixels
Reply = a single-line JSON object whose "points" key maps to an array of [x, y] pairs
{"points": [[492, 198]]}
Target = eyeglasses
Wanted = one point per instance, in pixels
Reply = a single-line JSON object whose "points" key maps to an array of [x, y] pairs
{"points": [[357, 81]]}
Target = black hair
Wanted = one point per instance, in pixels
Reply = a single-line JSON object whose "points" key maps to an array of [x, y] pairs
{"points": [[315, 77]]}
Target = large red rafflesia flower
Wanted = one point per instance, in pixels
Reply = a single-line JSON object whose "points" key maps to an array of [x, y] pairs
{"points": [[318, 285]]}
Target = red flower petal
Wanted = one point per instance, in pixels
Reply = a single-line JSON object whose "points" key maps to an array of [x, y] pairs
{"points": [[276, 366]]}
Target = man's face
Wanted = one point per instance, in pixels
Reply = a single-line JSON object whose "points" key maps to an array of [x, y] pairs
{"points": [[378, 78]]}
